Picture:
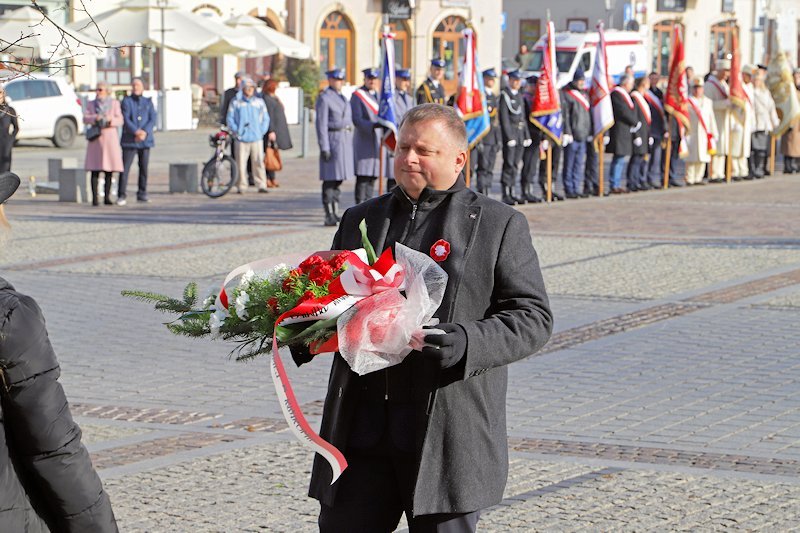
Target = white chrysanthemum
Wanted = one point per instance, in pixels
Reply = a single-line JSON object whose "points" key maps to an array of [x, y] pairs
{"points": [[246, 278], [277, 273], [210, 296], [241, 304], [215, 322]]}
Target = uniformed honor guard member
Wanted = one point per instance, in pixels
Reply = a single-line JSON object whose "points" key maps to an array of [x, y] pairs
{"points": [[334, 126], [367, 136], [431, 90], [491, 143], [531, 156], [514, 127], [403, 101]]}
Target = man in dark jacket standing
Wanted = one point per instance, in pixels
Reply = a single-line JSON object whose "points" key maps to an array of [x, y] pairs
{"points": [[46, 476], [137, 139], [658, 132], [621, 133], [514, 128], [637, 167], [367, 135], [577, 128], [428, 436], [491, 143]]}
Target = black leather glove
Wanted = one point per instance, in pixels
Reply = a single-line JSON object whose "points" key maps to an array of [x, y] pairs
{"points": [[447, 349], [377, 126], [326, 156], [301, 354]]}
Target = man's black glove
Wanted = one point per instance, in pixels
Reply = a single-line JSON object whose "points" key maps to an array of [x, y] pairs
{"points": [[326, 156], [301, 354], [377, 126], [447, 349]]}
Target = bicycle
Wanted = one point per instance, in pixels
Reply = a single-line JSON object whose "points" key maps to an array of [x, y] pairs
{"points": [[220, 173]]}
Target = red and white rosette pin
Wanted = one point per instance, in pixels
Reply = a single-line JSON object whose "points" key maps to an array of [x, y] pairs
{"points": [[440, 250]]}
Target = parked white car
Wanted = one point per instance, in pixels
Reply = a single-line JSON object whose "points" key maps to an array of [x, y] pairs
{"points": [[47, 108]]}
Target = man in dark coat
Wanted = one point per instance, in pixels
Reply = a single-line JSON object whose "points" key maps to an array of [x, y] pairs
{"points": [[428, 436], [577, 122], [636, 174], [658, 132], [431, 90], [514, 128], [334, 125], [621, 133], [491, 143], [367, 135], [46, 476], [531, 156], [139, 117], [403, 101]]}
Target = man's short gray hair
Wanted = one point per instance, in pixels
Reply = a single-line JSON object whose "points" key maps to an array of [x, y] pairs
{"points": [[439, 113]]}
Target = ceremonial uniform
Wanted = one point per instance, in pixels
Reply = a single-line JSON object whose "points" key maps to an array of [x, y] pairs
{"points": [[658, 128], [621, 134], [366, 141], [637, 167], [531, 158], [430, 92], [491, 143], [577, 129], [741, 132], [718, 92], [702, 123], [334, 125], [764, 122], [403, 102], [514, 128]]}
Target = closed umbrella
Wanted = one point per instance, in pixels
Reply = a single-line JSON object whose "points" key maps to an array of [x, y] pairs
{"points": [[268, 41], [26, 33]]}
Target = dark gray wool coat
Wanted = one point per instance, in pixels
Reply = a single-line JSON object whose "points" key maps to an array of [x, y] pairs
{"points": [[46, 476], [496, 292]]}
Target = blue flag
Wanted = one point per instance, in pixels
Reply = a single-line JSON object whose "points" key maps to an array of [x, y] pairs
{"points": [[471, 94], [387, 111]]}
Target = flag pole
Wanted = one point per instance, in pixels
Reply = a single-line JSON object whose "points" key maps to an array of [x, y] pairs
{"points": [[380, 170], [669, 155], [772, 154], [601, 164], [549, 173], [729, 159]]}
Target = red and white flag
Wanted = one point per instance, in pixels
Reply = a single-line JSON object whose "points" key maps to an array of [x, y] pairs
{"points": [[599, 93], [676, 101]]}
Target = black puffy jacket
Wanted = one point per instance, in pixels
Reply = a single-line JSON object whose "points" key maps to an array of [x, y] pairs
{"points": [[46, 477]]}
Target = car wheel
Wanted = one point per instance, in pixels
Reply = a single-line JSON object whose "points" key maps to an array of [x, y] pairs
{"points": [[65, 133]]}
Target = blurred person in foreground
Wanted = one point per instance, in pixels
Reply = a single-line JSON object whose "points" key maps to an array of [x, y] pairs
{"points": [[47, 481], [9, 127], [427, 437]]}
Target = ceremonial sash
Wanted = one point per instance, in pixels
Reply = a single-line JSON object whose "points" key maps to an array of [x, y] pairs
{"points": [[365, 97], [651, 97], [580, 98], [643, 106], [625, 94], [711, 142], [713, 81]]}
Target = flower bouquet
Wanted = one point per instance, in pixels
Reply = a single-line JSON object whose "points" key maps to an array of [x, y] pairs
{"points": [[370, 309]]}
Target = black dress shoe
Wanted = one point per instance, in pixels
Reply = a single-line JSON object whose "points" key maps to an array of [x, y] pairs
{"points": [[677, 184], [572, 196]]}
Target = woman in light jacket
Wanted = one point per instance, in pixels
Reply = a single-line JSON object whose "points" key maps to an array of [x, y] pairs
{"points": [[47, 481], [103, 154]]}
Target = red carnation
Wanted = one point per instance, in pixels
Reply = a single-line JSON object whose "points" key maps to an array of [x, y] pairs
{"points": [[289, 280], [337, 261], [309, 264], [321, 274], [273, 304], [308, 295]]}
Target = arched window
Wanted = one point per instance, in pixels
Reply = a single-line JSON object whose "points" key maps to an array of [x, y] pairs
{"points": [[722, 40], [336, 44], [402, 44], [662, 45], [448, 44]]}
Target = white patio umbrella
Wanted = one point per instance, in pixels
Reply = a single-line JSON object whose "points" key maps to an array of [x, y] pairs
{"points": [[140, 22], [27, 33], [268, 41]]}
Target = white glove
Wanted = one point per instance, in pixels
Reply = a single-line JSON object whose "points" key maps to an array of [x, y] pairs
{"points": [[527, 142], [637, 141], [650, 141], [606, 140], [636, 127], [566, 140], [590, 139], [512, 143]]}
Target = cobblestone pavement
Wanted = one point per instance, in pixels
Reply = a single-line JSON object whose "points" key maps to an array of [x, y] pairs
{"points": [[668, 398]]}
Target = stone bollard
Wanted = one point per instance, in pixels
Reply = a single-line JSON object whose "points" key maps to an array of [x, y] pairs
{"points": [[54, 167], [74, 185], [184, 177]]}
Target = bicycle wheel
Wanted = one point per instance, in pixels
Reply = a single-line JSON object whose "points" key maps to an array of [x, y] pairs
{"points": [[219, 176]]}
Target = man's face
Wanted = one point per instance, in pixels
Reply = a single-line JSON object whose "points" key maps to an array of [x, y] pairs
{"points": [[653, 80], [747, 78], [689, 72], [249, 90], [580, 84], [137, 87], [724, 74], [514, 83], [403, 84], [488, 82], [238, 82], [426, 157], [371, 83], [697, 92], [645, 85], [335, 84], [628, 85], [437, 73]]}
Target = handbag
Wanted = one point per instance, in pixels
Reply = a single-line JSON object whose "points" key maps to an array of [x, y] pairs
{"points": [[272, 158], [92, 132]]}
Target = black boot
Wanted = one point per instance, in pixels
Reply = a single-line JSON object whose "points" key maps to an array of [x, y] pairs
{"points": [[107, 190], [94, 180], [527, 194], [330, 217], [508, 196]]}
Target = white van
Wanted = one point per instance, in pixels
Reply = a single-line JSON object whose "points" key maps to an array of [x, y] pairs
{"points": [[623, 48]]}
